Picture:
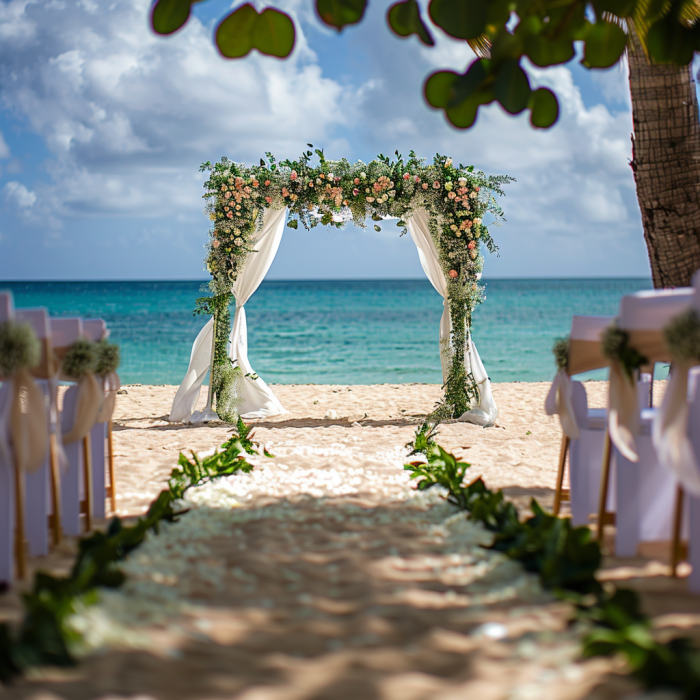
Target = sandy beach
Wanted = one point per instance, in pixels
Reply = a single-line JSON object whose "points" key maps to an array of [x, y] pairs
{"points": [[328, 583]]}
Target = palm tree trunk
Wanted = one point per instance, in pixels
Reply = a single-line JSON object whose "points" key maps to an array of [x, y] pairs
{"points": [[666, 165]]}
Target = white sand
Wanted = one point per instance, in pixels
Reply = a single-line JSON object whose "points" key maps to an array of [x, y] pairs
{"points": [[327, 584]]}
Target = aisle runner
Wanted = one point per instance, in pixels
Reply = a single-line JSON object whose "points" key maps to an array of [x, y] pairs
{"points": [[325, 583]]}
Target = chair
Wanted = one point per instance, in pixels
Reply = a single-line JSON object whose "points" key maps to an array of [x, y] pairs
{"points": [[95, 329], [585, 454], [8, 546], [42, 486], [77, 478], [584, 355], [645, 490]]}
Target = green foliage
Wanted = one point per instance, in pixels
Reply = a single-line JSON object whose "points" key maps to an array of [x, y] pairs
{"points": [[566, 560], [682, 336], [80, 359], [228, 387], [340, 13], [271, 32], [605, 44], [616, 347], [622, 628], [107, 358], [19, 348], [405, 19], [560, 350], [500, 30], [461, 19], [544, 108], [43, 638], [512, 88], [168, 16]]}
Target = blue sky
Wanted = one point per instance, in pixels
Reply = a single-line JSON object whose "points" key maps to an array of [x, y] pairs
{"points": [[103, 126]]}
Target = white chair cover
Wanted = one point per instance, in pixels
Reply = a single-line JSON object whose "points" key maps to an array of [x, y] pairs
{"points": [[7, 492], [7, 513], [643, 311], [64, 332], [670, 430], [37, 483], [258, 401], [486, 411], [559, 397], [585, 457]]}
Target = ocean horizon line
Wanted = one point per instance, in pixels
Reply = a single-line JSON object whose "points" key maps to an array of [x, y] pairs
{"points": [[332, 279]]}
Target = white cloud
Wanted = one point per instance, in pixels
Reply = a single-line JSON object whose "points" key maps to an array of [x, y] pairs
{"points": [[128, 117], [19, 195]]}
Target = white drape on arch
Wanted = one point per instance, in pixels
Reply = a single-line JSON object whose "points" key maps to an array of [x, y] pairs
{"points": [[258, 399], [485, 412], [187, 395]]}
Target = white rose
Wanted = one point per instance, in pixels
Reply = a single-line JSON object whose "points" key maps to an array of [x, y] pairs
{"points": [[477, 220], [238, 241]]}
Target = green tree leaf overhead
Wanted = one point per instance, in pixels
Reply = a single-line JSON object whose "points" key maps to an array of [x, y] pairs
{"points": [[404, 18], [271, 32], [340, 13], [168, 16]]}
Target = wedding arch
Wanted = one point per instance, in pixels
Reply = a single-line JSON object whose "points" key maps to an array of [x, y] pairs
{"points": [[441, 205]]}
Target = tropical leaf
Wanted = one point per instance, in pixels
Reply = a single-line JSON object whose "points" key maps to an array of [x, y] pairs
{"points": [[168, 16], [234, 35], [605, 43], [339, 13], [273, 34], [462, 19], [405, 19], [544, 108], [512, 87]]}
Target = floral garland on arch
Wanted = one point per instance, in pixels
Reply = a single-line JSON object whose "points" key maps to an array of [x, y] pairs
{"points": [[456, 198]]}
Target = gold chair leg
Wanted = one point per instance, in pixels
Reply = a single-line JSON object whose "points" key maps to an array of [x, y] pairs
{"points": [[565, 440], [20, 536], [87, 480], [604, 485], [677, 526], [55, 475], [112, 481]]}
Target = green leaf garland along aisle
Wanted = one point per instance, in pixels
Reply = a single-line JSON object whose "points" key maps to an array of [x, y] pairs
{"points": [[455, 198]]}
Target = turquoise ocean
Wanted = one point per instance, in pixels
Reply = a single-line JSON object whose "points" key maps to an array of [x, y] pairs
{"points": [[335, 332]]}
